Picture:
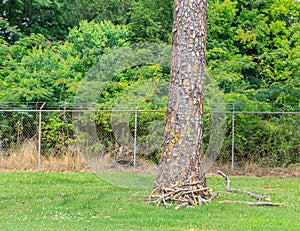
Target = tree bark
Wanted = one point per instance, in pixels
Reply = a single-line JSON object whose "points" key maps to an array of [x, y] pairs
{"points": [[182, 154]]}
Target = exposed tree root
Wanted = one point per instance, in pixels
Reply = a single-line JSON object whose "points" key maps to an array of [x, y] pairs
{"points": [[262, 200], [187, 194]]}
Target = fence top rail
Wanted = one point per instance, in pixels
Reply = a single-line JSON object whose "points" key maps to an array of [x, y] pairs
{"points": [[75, 110], [259, 112], [123, 111]]}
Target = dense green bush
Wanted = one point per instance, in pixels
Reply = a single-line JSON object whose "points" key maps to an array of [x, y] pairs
{"points": [[15, 128], [266, 140], [57, 134]]}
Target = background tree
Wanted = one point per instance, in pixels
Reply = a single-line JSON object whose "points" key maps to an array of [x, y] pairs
{"points": [[53, 18], [35, 17]]}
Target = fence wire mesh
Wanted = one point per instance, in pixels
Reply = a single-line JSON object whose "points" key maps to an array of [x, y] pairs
{"points": [[134, 138]]}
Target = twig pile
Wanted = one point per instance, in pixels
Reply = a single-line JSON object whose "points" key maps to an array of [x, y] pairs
{"points": [[187, 194]]}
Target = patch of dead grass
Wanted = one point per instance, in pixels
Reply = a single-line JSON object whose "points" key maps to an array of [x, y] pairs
{"points": [[25, 158]]}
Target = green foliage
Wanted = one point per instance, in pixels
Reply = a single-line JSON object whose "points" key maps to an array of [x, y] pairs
{"points": [[151, 21], [221, 16], [144, 88], [15, 128], [8, 32], [116, 11], [34, 70], [268, 140], [253, 48], [35, 17], [90, 37], [40, 73], [57, 134], [150, 135]]}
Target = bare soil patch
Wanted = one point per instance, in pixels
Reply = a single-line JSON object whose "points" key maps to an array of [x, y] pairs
{"points": [[255, 170]]}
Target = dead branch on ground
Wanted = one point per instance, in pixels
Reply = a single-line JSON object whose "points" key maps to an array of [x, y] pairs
{"points": [[226, 178], [258, 203], [261, 198]]}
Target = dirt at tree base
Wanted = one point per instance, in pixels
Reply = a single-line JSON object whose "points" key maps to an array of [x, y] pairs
{"points": [[254, 170]]}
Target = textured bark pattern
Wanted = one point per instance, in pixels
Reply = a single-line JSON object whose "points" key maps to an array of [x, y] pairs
{"points": [[182, 155]]}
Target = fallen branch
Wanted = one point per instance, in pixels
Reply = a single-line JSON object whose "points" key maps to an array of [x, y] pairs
{"points": [[256, 196], [259, 203], [226, 178], [253, 195]]}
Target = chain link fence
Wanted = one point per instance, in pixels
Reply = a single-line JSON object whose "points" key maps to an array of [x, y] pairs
{"points": [[133, 138]]}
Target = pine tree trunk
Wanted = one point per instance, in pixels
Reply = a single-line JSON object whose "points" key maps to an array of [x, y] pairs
{"points": [[181, 159]]}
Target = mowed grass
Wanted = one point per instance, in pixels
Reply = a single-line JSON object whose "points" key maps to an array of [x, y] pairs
{"points": [[83, 201]]}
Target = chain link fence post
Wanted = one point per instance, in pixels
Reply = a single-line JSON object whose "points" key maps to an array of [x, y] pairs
{"points": [[232, 139], [40, 136], [0, 152], [135, 137]]}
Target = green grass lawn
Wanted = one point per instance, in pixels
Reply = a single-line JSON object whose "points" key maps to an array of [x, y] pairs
{"points": [[83, 201]]}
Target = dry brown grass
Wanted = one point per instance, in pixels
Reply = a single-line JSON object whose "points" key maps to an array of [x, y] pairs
{"points": [[25, 158]]}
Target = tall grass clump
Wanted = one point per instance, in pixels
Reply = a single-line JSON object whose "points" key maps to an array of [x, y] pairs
{"points": [[25, 157]]}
